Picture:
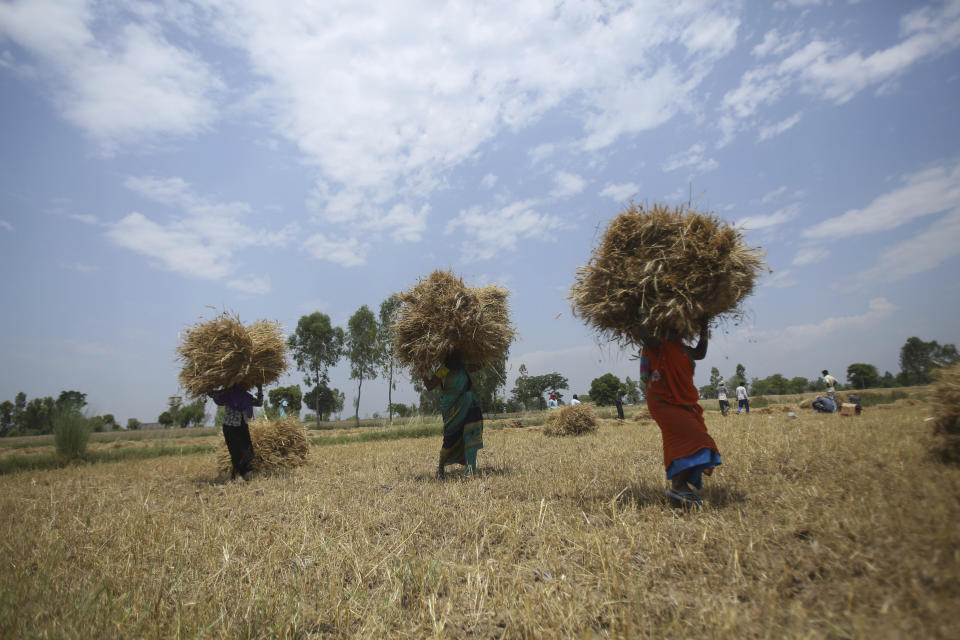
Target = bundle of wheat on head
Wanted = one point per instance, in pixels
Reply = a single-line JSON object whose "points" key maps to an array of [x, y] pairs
{"points": [[664, 268], [440, 315], [222, 352]]}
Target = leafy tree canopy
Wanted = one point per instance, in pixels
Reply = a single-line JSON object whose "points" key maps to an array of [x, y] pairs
{"points": [[603, 390]]}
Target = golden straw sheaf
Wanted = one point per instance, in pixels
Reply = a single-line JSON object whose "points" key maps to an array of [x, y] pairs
{"points": [[440, 315], [664, 268], [946, 405], [277, 445], [223, 352], [570, 421]]}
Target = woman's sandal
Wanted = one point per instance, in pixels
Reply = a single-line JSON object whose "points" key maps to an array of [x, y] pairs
{"points": [[683, 499]]}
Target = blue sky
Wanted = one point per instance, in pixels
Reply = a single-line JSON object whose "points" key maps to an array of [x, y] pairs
{"points": [[275, 159]]}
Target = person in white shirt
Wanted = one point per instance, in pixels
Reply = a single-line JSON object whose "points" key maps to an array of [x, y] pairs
{"points": [[722, 397], [743, 401], [574, 401], [831, 383]]}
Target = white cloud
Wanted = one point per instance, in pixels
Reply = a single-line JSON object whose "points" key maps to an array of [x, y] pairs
{"points": [[926, 250], [489, 181], [85, 218], [801, 336], [5, 225], [345, 252], [540, 152], [387, 98], [825, 70], [132, 87], [924, 193], [568, 184], [777, 128], [780, 280], [620, 192], [810, 255], [499, 230], [777, 217], [773, 195], [200, 239], [253, 284], [692, 157]]}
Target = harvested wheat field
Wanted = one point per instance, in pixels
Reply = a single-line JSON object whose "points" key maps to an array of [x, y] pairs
{"points": [[816, 527]]}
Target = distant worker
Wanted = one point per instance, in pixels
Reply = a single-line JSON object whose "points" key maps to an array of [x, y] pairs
{"points": [[854, 399], [824, 405], [666, 368], [743, 400], [552, 402], [283, 407], [237, 407], [575, 401], [722, 397], [618, 399], [831, 383]]}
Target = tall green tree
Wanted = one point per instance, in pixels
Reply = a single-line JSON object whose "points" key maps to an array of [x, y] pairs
{"points": [[918, 359], [738, 378], [361, 349], [19, 406], [6, 417], [324, 401], [714, 380], [603, 390], [194, 414], [71, 401], [386, 332], [862, 375], [38, 415], [316, 346]]}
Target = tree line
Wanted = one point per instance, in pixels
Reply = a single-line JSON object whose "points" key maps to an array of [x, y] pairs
{"points": [[37, 416]]}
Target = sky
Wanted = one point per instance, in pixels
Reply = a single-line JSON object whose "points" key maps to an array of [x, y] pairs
{"points": [[164, 161]]}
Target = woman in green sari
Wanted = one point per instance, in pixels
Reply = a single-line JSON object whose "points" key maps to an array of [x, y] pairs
{"points": [[462, 418]]}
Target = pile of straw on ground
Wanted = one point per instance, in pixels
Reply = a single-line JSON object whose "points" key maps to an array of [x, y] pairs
{"points": [[440, 315], [570, 421], [946, 404], [664, 268], [223, 352], [277, 445]]}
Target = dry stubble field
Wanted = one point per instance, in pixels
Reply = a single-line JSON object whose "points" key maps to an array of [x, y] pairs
{"points": [[820, 526]]}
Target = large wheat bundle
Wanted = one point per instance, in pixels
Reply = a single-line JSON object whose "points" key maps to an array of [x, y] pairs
{"points": [[664, 268], [440, 315], [946, 404], [277, 445], [570, 421], [222, 352]]}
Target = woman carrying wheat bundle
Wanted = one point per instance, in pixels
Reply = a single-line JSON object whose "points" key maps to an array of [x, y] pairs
{"points": [[462, 417], [238, 405], [666, 368]]}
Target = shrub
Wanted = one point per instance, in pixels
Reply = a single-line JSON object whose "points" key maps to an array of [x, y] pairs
{"points": [[133, 424], [71, 431]]}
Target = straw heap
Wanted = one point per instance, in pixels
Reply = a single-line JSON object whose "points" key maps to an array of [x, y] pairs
{"points": [[664, 268], [223, 352], [440, 315], [277, 445], [946, 403], [570, 421]]}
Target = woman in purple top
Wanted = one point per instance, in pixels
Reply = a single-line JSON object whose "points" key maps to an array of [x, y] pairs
{"points": [[238, 406]]}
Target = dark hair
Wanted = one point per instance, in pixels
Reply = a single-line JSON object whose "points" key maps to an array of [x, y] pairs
{"points": [[825, 372]]}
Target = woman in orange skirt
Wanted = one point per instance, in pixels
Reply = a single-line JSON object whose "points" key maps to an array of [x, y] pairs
{"points": [[666, 367]]}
